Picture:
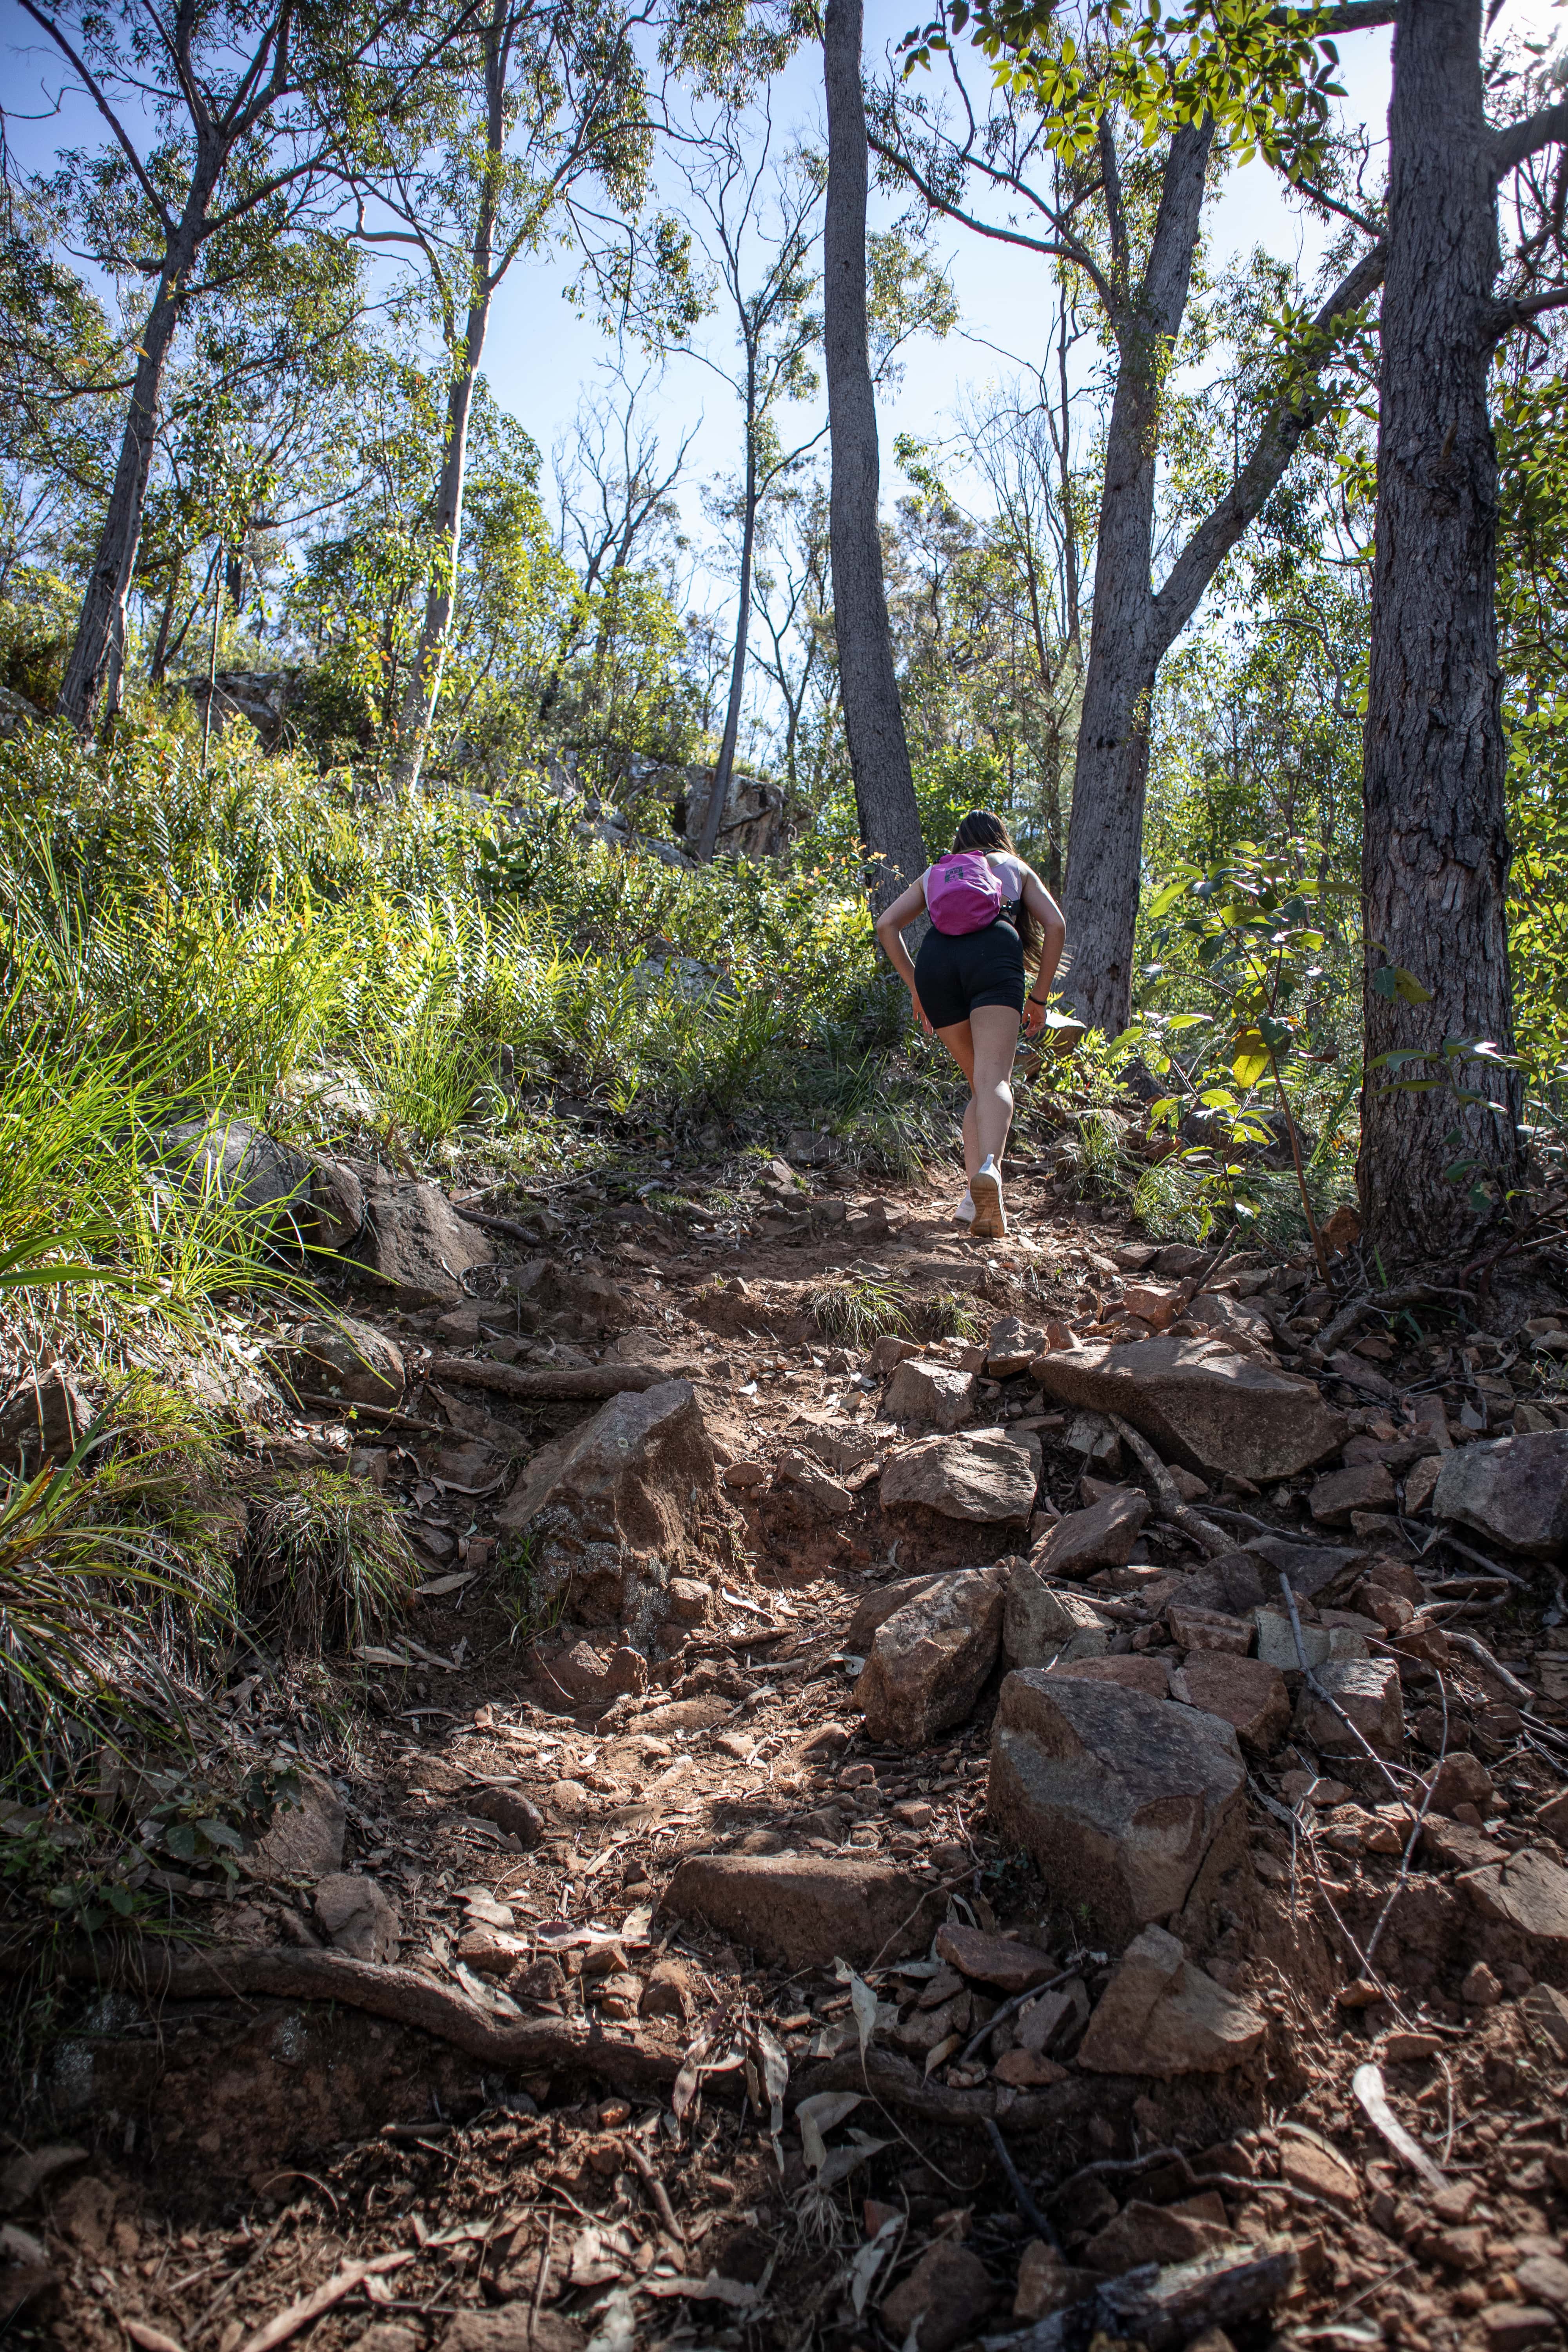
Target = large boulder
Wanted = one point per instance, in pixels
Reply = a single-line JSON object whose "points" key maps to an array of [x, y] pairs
{"points": [[1200, 1404], [1101, 1537], [983, 1476], [1161, 2015], [1514, 1489], [415, 1249], [348, 1360], [1040, 1624], [930, 1659], [807, 1910], [925, 1396], [1118, 1800], [614, 1506]]}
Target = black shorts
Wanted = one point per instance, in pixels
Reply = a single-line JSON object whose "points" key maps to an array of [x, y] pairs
{"points": [[955, 975]]}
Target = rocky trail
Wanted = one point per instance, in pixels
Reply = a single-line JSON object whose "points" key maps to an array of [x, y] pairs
{"points": [[932, 1793]]}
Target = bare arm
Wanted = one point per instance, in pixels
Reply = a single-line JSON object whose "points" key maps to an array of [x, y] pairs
{"points": [[1040, 904], [891, 925]]}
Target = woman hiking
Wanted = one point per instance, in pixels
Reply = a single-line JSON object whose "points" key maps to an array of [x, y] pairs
{"points": [[992, 921]]}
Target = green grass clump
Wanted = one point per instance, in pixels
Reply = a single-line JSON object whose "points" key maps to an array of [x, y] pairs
{"points": [[859, 1307], [326, 1564]]}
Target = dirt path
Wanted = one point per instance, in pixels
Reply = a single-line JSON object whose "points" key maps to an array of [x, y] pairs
{"points": [[619, 1905]]}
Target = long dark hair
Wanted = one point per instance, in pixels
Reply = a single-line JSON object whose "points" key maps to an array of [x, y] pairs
{"points": [[983, 830]]}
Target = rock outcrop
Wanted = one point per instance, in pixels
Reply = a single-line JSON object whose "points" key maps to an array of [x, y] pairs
{"points": [[930, 1659], [1161, 2015], [985, 1477], [1200, 1404]]}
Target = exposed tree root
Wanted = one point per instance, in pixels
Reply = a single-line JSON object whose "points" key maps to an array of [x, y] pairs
{"points": [[545, 1381], [639, 2060], [898, 2084]]}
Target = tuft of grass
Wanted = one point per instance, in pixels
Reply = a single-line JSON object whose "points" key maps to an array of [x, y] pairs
{"points": [[859, 1307], [325, 1563]]}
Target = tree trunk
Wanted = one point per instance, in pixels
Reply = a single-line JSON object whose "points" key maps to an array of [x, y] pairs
{"points": [[719, 794], [1105, 835], [423, 691], [102, 620], [1436, 856], [873, 720]]}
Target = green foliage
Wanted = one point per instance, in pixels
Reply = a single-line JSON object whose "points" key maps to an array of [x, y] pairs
{"points": [[859, 1307], [326, 1564]]}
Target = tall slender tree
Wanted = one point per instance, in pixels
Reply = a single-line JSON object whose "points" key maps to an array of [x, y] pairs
{"points": [[224, 124], [873, 719]]}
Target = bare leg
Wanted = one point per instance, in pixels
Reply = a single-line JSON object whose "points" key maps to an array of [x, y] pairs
{"points": [[984, 1047]]}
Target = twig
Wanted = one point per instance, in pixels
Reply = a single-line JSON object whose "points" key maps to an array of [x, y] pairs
{"points": [[1483, 1656], [527, 1235], [1376, 1302], [1010, 2008], [544, 2274], [1181, 1514], [1026, 2205], [310, 2307], [1193, 2179], [1243, 1519], [1492, 1568], [1316, 1687], [654, 2187]]}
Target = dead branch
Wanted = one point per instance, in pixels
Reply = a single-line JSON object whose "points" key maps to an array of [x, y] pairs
{"points": [[1197, 1530], [896, 2081]]}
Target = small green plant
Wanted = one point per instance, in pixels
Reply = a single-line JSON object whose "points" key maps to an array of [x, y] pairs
{"points": [[325, 1563], [857, 1308], [530, 1605]]}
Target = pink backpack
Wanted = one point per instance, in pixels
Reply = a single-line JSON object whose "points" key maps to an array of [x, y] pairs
{"points": [[963, 894]]}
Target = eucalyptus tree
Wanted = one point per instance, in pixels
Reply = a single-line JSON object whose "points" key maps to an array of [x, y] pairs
{"points": [[224, 122], [1095, 150], [536, 127]]}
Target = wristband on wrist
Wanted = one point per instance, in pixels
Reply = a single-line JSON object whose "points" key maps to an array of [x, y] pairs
{"points": [[1036, 1000]]}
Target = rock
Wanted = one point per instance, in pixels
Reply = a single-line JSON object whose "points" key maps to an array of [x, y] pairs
{"points": [[491, 1951], [1546, 2009], [1027, 2069], [1305, 2165], [1368, 1690], [671, 1990], [1455, 1845], [358, 1915], [1208, 1629], [1096, 1444], [229, 1161], [304, 1839], [44, 1417], [1460, 1779], [415, 1249], [1514, 1489], [994, 1959], [821, 1490], [1518, 2327], [1319, 1643], [875, 1608], [1160, 2015], [1101, 1538], [1246, 1694], [942, 2301], [1151, 2233], [1552, 1817], [1046, 2284], [1154, 1303], [1202, 1405], [1311, 1568], [614, 1506], [1131, 1671], [1420, 1482], [986, 1477], [1233, 1585], [1479, 1989], [511, 2327], [1011, 1347], [926, 1395], [807, 1910], [1527, 1892], [1197, 2299], [350, 1362], [1218, 1312], [838, 1446], [1040, 1624], [1118, 1800], [690, 1601], [511, 1812], [740, 1476], [887, 1353], [1364, 1487], [930, 1659], [23, 2174]]}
